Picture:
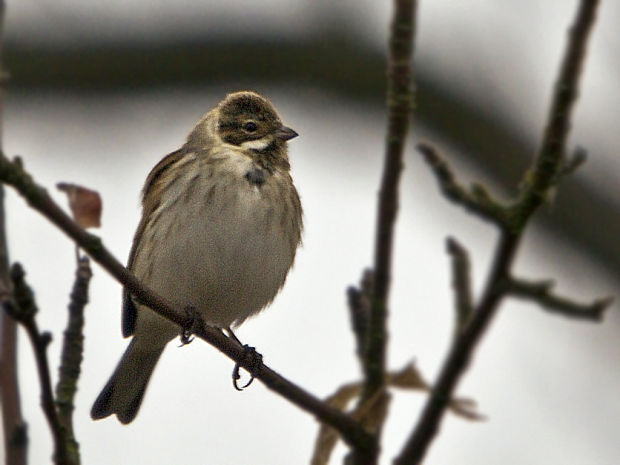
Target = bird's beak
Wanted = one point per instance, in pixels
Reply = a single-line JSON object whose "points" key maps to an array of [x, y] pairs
{"points": [[285, 133]]}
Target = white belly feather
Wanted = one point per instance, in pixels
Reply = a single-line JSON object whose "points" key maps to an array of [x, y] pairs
{"points": [[223, 251]]}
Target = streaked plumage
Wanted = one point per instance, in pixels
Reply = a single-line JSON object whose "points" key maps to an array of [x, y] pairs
{"points": [[220, 226]]}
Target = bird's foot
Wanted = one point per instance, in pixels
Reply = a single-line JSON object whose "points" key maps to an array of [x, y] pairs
{"points": [[190, 324], [254, 363]]}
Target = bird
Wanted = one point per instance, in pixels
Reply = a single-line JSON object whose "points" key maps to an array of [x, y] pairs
{"points": [[221, 223]]}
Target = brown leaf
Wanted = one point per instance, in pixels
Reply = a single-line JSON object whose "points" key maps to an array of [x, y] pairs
{"points": [[410, 378], [372, 413], [328, 437], [85, 204], [324, 445], [407, 378], [465, 408]]}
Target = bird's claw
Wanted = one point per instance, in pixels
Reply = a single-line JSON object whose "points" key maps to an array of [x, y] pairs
{"points": [[255, 361], [188, 328]]}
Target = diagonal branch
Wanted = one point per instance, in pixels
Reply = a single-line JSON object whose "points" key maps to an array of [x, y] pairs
{"points": [[548, 163], [477, 200], [460, 355], [13, 173], [14, 427], [540, 292]]}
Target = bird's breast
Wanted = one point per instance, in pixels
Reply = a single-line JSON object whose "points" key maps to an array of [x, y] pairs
{"points": [[223, 244]]}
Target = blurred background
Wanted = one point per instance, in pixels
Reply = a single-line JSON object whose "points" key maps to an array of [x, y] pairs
{"points": [[100, 91]]}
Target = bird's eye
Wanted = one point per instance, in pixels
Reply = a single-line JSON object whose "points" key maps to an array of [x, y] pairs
{"points": [[250, 126]]}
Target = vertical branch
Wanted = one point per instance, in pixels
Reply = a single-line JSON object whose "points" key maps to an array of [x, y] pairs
{"points": [[13, 424], [359, 311], [461, 282], [399, 106], [24, 309], [71, 356]]}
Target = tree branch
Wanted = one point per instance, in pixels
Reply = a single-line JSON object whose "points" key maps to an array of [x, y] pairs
{"points": [[460, 355], [374, 342], [550, 159], [23, 308], [71, 355], [14, 427], [359, 311], [461, 283], [13, 173], [477, 200], [399, 107], [540, 292], [572, 164], [547, 165]]}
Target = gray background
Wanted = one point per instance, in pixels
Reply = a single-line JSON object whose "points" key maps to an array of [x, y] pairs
{"points": [[101, 91]]}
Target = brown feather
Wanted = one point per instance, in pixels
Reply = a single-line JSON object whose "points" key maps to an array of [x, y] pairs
{"points": [[151, 192]]}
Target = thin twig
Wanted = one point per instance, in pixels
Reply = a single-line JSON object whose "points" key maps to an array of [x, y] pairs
{"points": [[24, 309], [477, 200], [460, 355], [359, 311], [551, 154], [14, 427], [572, 164], [399, 106], [461, 283], [399, 109], [13, 173], [71, 355], [540, 292], [547, 164]]}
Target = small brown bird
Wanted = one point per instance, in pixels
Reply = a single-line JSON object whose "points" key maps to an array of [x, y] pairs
{"points": [[221, 222]]}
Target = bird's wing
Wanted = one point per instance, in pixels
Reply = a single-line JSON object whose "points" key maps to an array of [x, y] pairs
{"points": [[150, 194]]}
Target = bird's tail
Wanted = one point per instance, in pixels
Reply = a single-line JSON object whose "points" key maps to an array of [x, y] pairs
{"points": [[124, 390]]}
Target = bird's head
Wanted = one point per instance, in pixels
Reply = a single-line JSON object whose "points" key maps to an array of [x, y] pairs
{"points": [[248, 120]]}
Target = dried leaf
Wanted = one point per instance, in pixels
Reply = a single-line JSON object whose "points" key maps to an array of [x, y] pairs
{"points": [[466, 408], [372, 413], [328, 437], [345, 393], [324, 445], [408, 378], [85, 204]]}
